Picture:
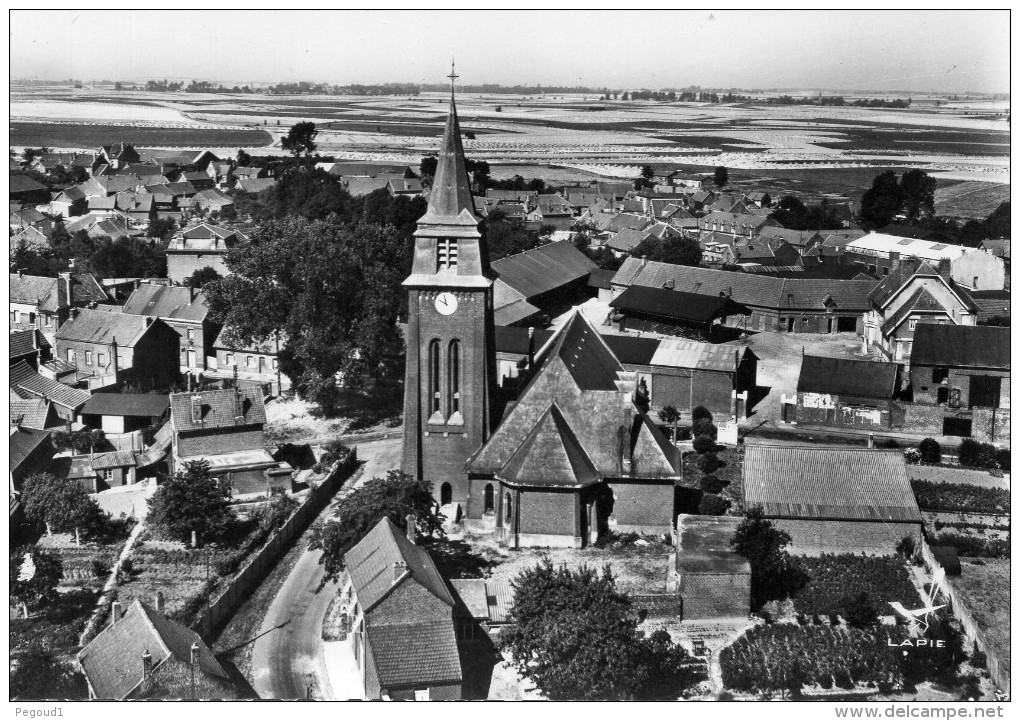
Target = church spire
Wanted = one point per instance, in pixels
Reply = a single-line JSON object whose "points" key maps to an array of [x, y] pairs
{"points": [[450, 202]]}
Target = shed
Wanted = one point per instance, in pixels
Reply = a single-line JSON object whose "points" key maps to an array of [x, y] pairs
{"points": [[714, 582]]}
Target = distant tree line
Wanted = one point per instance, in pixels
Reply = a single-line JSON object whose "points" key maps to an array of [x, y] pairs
{"points": [[837, 100]]}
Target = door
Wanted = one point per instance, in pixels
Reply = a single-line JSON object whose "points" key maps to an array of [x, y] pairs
{"points": [[262, 364], [830, 325], [445, 494], [789, 324], [191, 359]]}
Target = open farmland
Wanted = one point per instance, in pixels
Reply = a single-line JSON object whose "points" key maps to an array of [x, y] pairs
{"points": [[970, 199], [61, 135]]}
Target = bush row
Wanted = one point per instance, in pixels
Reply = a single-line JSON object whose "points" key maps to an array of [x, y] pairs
{"points": [[960, 497]]}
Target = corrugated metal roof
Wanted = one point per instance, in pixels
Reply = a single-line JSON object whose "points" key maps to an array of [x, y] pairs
{"points": [[499, 596], [828, 483], [684, 353], [543, 269], [880, 243]]}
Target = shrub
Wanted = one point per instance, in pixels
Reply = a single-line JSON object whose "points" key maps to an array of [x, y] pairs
{"points": [[842, 679], [713, 505], [825, 682], [830, 577], [912, 456], [931, 451], [833, 618], [906, 546], [959, 497], [711, 484], [709, 463], [978, 658], [967, 545], [1002, 456], [977, 455], [701, 413], [704, 427], [724, 696], [704, 444], [860, 612]]}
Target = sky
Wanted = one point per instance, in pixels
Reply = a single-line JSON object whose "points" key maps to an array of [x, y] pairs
{"points": [[930, 51]]}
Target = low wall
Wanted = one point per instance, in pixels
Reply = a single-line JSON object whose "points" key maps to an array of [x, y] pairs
{"points": [[998, 669], [221, 610]]}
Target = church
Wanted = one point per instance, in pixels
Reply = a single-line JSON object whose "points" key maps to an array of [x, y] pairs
{"points": [[573, 455]]}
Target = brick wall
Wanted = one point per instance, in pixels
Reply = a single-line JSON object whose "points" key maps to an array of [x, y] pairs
{"points": [[922, 419], [549, 512], [647, 505], [181, 266], [842, 416], [990, 425], [673, 387], [814, 537], [219, 440], [715, 595]]}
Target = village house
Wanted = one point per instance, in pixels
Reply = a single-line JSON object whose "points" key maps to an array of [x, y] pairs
{"points": [[833, 500], [38, 302], [202, 246], [845, 393], [970, 267], [30, 346], [914, 293], [35, 414], [960, 379], [119, 349], [146, 655], [27, 384], [410, 187], [398, 618], [735, 224], [257, 185], [254, 362], [225, 428], [183, 309]]}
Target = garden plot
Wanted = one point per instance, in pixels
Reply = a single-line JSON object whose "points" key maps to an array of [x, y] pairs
{"points": [[984, 587], [831, 578]]}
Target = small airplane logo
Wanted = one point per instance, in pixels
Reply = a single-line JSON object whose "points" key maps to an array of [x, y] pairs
{"points": [[918, 618]]}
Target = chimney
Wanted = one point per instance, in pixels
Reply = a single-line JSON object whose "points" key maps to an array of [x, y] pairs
{"points": [[871, 440], [114, 612], [412, 531], [159, 602], [146, 666], [21, 272], [194, 653], [399, 569], [894, 260], [944, 268], [191, 294], [643, 261], [531, 346]]}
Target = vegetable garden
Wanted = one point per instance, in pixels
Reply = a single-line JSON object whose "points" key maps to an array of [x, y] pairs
{"points": [[831, 578], [959, 497]]}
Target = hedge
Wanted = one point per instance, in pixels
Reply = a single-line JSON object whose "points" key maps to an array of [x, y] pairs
{"points": [[959, 497]]}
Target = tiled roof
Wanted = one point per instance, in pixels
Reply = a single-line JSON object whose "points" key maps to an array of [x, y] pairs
{"points": [[847, 377], [543, 269], [627, 240], [113, 459], [30, 412], [112, 662], [900, 276], [266, 347], [145, 405], [414, 654], [676, 304], [920, 301], [33, 288], [748, 288], [23, 444], [828, 483], [23, 342], [370, 565], [22, 184], [961, 346], [355, 186], [168, 302], [98, 326], [627, 221], [28, 383], [549, 456], [218, 408]]}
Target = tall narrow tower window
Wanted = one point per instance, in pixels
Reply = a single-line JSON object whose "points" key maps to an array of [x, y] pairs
{"points": [[453, 377], [447, 255], [434, 392]]}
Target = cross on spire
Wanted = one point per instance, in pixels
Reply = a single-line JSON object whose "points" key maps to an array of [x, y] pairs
{"points": [[452, 76]]}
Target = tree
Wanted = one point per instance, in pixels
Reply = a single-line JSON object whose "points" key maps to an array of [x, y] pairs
{"points": [[931, 451], [332, 290], [647, 173], [34, 575], [191, 500], [36, 674], [721, 177], [83, 441], [882, 202], [160, 228], [712, 505], [506, 236], [997, 225], [117, 85], [918, 190], [201, 277], [677, 251], [301, 138], [59, 505], [773, 574], [243, 159], [859, 610], [394, 496], [575, 635], [669, 414], [711, 484]]}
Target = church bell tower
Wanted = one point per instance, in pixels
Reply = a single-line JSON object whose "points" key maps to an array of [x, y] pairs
{"points": [[451, 358]]}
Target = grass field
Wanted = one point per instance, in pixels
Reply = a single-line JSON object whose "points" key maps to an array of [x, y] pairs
{"points": [[985, 591], [92, 136], [971, 199]]}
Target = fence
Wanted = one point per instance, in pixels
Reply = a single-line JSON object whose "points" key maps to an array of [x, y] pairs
{"points": [[240, 588], [998, 669]]}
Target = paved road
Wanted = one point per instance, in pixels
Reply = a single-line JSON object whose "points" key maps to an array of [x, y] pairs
{"points": [[287, 657]]}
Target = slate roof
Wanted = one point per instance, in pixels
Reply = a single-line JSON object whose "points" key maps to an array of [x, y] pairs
{"points": [[27, 383], [30, 412], [847, 377], [549, 456], [627, 240], [219, 408], [601, 278], [99, 326], [676, 304], [631, 350], [543, 269], [33, 288], [898, 277], [370, 565], [514, 311], [961, 346], [113, 660], [514, 339], [141, 405], [627, 221], [267, 347], [23, 444], [828, 483], [355, 186], [414, 654], [23, 184], [167, 301], [748, 288], [920, 301]]}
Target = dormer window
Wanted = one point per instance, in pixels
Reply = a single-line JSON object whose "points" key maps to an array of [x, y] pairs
{"points": [[447, 254]]}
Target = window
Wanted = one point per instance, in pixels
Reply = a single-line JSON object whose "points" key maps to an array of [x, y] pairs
{"points": [[191, 335], [108, 474], [47, 320], [70, 355], [912, 325], [88, 357], [249, 361], [421, 694], [453, 376], [31, 318], [17, 317], [434, 394], [101, 360], [447, 253], [228, 358], [490, 498], [975, 282], [276, 364], [939, 374]]}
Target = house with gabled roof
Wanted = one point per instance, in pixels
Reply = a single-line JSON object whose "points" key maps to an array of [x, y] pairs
{"points": [[33, 413], [119, 155], [116, 349], [39, 302], [26, 383], [256, 362], [847, 392], [575, 456], [397, 614], [833, 500], [69, 202], [202, 246], [183, 309], [738, 225], [146, 655], [913, 293]]}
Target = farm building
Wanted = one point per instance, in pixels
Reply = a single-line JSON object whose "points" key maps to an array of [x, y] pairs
{"points": [[833, 500], [547, 280], [845, 393], [713, 581], [881, 254], [674, 312], [124, 412]]}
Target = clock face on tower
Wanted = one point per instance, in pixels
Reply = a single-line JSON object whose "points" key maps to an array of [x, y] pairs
{"points": [[446, 303]]}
